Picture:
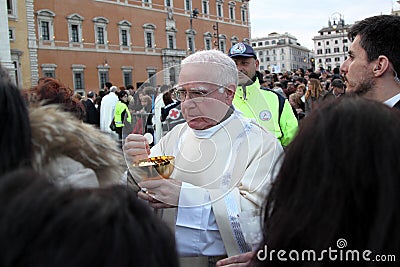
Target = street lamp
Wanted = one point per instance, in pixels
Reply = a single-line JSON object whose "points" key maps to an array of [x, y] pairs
{"points": [[216, 34], [193, 15], [339, 26]]}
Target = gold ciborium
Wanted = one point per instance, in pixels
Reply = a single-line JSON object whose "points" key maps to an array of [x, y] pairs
{"points": [[152, 168]]}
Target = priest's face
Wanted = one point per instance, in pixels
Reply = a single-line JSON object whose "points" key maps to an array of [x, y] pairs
{"points": [[205, 102]]}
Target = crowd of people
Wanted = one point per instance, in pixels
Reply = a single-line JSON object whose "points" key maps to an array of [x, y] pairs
{"points": [[313, 156]]}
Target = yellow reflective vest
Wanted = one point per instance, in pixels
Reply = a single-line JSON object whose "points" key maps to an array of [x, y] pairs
{"points": [[263, 106], [119, 109]]}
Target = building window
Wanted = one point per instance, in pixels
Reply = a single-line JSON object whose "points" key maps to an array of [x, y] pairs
{"points": [[78, 81], [336, 49], [220, 9], [188, 5], [171, 40], [151, 74], [127, 75], [75, 28], [234, 40], [168, 3], [222, 45], [11, 34], [49, 70], [124, 37], [78, 77], [74, 33], [49, 73], [12, 8], [149, 35], [243, 11], [337, 59], [204, 4], [103, 77], [327, 42], [146, 3], [149, 39], [45, 30], [273, 42], [190, 43], [172, 75], [232, 11], [45, 21], [124, 33], [127, 78], [207, 43], [100, 35], [100, 25], [327, 51]]}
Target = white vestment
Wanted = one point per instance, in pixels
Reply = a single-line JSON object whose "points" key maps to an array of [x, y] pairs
{"points": [[225, 170], [107, 111]]}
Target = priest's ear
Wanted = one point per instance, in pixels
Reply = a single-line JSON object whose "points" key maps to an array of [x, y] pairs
{"points": [[230, 91]]}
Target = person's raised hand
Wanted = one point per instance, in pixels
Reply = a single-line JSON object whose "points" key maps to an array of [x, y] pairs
{"points": [[136, 147]]}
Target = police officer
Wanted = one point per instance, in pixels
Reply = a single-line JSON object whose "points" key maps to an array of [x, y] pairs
{"points": [[270, 110]]}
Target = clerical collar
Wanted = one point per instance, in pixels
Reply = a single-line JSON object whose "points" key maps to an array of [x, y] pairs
{"points": [[208, 133]]}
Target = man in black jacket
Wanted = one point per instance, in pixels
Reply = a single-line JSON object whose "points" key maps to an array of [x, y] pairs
{"points": [[92, 113]]}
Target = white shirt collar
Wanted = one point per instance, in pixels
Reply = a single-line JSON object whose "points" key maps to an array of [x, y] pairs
{"points": [[392, 101], [207, 133]]}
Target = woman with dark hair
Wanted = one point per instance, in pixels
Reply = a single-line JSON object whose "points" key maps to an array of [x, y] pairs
{"points": [[15, 134], [338, 187], [47, 226]]}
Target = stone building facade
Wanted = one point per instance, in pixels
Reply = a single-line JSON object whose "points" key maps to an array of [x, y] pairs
{"points": [[85, 43]]}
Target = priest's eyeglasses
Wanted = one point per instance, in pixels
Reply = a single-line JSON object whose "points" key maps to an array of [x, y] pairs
{"points": [[198, 93]]}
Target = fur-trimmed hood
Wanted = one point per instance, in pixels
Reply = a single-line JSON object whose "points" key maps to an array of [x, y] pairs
{"points": [[56, 133]]}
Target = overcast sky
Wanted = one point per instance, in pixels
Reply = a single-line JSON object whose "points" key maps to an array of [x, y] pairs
{"points": [[304, 18]]}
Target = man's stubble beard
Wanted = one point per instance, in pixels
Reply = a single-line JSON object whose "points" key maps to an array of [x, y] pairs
{"points": [[365, 87]]}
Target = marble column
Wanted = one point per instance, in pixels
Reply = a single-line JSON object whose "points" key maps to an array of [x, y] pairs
{"points": [[5, 52]]}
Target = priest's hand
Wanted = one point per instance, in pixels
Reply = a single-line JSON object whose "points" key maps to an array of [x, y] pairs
{"points": [[241, 260], [136, 147], [161, 193]]}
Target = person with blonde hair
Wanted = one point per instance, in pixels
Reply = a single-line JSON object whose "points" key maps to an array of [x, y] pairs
{"points": [[313, 95]]}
